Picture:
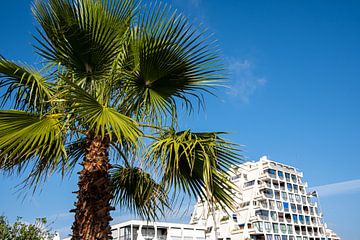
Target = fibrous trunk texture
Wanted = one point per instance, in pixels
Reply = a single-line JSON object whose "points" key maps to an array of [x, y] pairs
{"points": [[92, 210]]}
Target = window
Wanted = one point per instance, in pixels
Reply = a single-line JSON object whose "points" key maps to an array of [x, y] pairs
{"points": [[267, 227], [295, 218], [301, 218], [284, 196], [290, 229], [273, 215], [283, 228], [272, 204], [291, 197], [279, 205], [258, 226], [250, 183], [281, 174], [234, 217], [275, 227], [287, 176], [289, 186], [293, 208], [303, 198], [284, 237], [298, 198], [307, 219], [269, 237], [286, 206], [277, 195]]}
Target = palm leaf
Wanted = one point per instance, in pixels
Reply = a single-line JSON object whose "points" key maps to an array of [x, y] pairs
{"points": [[28, 86], [197, 163], [136, 191], [25, 136], [83, 35], [99, 118], [171, 60]]}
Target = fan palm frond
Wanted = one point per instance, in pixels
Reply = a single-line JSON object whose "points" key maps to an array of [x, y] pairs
{"points": [[169, 61], [136, 191], [197, 163], [25, 136], [100, 118], [82, 35], [28, 86]]}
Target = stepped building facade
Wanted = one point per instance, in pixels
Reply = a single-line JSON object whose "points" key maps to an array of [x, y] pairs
{"points": [[273, 203]]}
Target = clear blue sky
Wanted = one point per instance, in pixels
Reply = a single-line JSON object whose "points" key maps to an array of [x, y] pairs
{"points": [[294, 96]]}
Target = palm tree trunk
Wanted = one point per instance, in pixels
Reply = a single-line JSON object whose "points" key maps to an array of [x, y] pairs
{"points": [[92, 210]]}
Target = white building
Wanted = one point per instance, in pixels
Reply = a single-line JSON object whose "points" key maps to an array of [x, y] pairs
{"points": [[144, 230], [272, 203]]}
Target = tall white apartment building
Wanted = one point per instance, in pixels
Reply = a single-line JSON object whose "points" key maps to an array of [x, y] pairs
{"points": [[272, 204]]}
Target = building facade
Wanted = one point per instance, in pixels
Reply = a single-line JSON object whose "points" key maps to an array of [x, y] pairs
{"points": [[144, 230], [272, 204]]}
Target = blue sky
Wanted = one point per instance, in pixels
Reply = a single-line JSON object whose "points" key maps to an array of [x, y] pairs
{"points": [[293, 95]]}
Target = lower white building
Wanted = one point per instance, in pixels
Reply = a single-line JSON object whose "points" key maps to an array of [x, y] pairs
{"points": [[145, 230]]}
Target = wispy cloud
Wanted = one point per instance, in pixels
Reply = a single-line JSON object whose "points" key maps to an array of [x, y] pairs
{"points": [[244, 79], [338, 188]]}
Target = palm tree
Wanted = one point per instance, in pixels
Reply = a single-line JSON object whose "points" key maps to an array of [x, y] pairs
{"points": [[115, 74]]}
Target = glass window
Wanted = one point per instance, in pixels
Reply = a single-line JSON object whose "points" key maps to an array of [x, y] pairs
{"points": [[280, 174], [250, 183], [234, 217], [277, 194], [269, 237], [298, 198], [284, 196], [273, 215], [290, 228], [291, 197], [286, 205], [272, 204], [283, 237], [287, 175], [289, 186], [295, 217], [293, 207], [267, 226], [258, 226], [283, 228], [279, 205], [275, 227]]}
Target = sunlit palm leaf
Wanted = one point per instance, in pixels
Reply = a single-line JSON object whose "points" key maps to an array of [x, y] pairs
{"points": [[136, 191], [28, 87], [170, 60], [196, 163], [83, 35], [101, 119], [25, 137]]}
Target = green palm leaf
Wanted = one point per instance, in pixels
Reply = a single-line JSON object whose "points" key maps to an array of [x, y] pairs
{"points": [[83, 35], [197, 163], [100, 118], [30, 88], [25, 136], [168, 62], [136, 191]]}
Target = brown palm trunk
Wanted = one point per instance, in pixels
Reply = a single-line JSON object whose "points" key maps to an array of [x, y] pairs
{"points": [[92, 210]]}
